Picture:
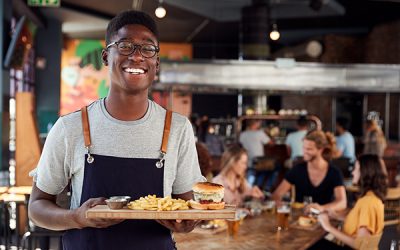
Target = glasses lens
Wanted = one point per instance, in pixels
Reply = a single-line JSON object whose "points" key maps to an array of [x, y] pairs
{"points": [[148, 50], [125, 48]]}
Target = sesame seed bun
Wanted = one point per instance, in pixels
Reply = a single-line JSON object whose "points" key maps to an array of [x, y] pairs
{"points": [[208, 187]]}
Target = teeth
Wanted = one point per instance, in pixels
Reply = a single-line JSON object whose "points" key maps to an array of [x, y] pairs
{"points": [[134, 71]]}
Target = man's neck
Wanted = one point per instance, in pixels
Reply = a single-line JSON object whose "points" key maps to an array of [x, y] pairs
{"points": [[341, 132], [127, 107], [318, 163]]}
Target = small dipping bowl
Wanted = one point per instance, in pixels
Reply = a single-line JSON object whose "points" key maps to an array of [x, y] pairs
{"points": [[117, 202], [127, 198]]}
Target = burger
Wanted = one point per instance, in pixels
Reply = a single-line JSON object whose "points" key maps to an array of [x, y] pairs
{"points": [[306, 221], [208, 195]]}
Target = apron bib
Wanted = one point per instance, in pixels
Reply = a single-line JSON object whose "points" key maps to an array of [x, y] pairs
{"points": [[106, 176]]}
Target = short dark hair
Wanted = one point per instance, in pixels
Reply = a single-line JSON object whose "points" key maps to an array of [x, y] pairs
{"points": [[343, 122], [302, 121], [130, 17]]}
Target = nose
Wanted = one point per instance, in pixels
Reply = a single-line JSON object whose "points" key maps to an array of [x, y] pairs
{"points": [[135, 53]]}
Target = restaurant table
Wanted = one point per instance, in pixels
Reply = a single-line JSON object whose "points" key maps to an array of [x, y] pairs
{"points": [[257, 232]]}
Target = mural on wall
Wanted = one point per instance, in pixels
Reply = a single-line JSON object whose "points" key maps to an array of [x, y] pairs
{"points": [[84, 78]]}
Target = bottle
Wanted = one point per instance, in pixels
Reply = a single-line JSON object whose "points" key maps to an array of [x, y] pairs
{"points": [[393, 245]]}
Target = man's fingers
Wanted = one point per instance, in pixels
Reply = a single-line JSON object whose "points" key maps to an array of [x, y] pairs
{"points": [[95, 201]]}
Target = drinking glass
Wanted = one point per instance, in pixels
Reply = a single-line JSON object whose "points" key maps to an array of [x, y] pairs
{"points": [[282, 216]]}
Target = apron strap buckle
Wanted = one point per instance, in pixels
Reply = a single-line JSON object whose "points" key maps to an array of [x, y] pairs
{"points": [[90, 158], [160, 163]]}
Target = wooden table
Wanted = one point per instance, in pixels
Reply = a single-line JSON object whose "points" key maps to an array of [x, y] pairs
{"points": [[254, 233], [20, 190]]}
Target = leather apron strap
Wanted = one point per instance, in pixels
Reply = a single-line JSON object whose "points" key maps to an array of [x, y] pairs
{"points": [[167, 129], [85, 127], [164, 143]]}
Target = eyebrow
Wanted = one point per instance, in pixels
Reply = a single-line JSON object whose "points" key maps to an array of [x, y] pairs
{"points": [[146, 39]]}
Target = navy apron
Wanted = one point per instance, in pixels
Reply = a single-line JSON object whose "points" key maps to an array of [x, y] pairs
{"points": [[107, 176]]}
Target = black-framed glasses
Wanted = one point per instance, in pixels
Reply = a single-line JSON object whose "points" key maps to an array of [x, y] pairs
{"points": [[126, 48]]}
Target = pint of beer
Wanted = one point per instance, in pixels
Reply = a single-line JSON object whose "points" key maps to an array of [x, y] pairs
{"points": [[233, 227], [282, 216]]}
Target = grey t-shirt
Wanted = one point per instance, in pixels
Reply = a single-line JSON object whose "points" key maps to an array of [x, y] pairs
{"points": [[253, 141], [63, 154]]}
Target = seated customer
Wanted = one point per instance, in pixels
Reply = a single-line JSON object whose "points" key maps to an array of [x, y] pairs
{"points": [[233, 176], [366, 218], [205, 160], [315, 177]]}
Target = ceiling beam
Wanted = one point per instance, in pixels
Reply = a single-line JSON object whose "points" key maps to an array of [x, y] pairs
{"points": [[86, 11], [32, 14]]}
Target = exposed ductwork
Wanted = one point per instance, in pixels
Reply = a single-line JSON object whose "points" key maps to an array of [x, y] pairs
{"points": [[290, 76]]}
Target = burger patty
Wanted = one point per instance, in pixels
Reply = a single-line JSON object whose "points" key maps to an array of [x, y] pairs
{"points": [[216, 197], [207, 201]]}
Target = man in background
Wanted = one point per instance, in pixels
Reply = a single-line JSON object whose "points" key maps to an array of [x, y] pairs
{"points": [[253, 140], [294, 140], [345, 141]]}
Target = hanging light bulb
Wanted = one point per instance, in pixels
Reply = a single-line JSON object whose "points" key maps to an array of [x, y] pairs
{"points": [[274, 34], [160, 11]]}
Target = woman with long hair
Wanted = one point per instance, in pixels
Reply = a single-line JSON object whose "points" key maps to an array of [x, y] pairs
{"points": [[233, 176], [366, 218]]}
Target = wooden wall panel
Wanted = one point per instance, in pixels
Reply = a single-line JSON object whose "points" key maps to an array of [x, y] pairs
{"points": [[28, 146]]}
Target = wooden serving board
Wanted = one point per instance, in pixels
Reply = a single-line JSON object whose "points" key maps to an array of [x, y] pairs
{"points": [[103, 211]]}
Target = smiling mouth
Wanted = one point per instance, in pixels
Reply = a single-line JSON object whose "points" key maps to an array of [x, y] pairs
{"points": [[135, 71]]}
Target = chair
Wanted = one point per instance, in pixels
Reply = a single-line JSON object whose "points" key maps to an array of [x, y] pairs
{"points": [[344, 165], [370, 242], [392, 164], [30, 237], [33, 233], [392, 206]]}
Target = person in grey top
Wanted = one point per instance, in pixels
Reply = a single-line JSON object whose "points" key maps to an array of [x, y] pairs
{"points": [[116, 146], [253, 140]]}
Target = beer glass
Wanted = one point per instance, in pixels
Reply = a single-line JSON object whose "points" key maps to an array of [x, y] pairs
{"points": [[282, 216], [233, 227]]}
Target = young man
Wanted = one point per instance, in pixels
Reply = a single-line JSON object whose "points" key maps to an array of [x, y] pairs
{"points": [[253, 140], [294, 140], [117, 150], [344, 140], [316, 177]]}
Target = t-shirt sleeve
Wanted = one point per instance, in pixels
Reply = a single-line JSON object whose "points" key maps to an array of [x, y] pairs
{"points": [[188, 169], [53, 170], [288, 140], [337, 177], [340, 144], [367, 217], [292, 175], [264, 138]]}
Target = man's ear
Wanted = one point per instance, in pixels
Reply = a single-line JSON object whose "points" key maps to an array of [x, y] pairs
{"points": [[104, 55], [158, 64]]}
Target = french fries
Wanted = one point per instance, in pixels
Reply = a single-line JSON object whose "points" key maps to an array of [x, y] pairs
{"points": [[151, 202]]}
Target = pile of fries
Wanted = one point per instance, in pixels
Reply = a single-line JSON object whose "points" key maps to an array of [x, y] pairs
{"points": [[151, 202]]}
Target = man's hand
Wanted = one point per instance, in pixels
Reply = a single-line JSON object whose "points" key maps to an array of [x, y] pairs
{"points": [[82, 221], [179, 226], [257, 193], [315, 206]]}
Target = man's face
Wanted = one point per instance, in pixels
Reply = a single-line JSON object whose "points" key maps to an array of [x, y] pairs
{"points": [[310, 150], [133, 73]]}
